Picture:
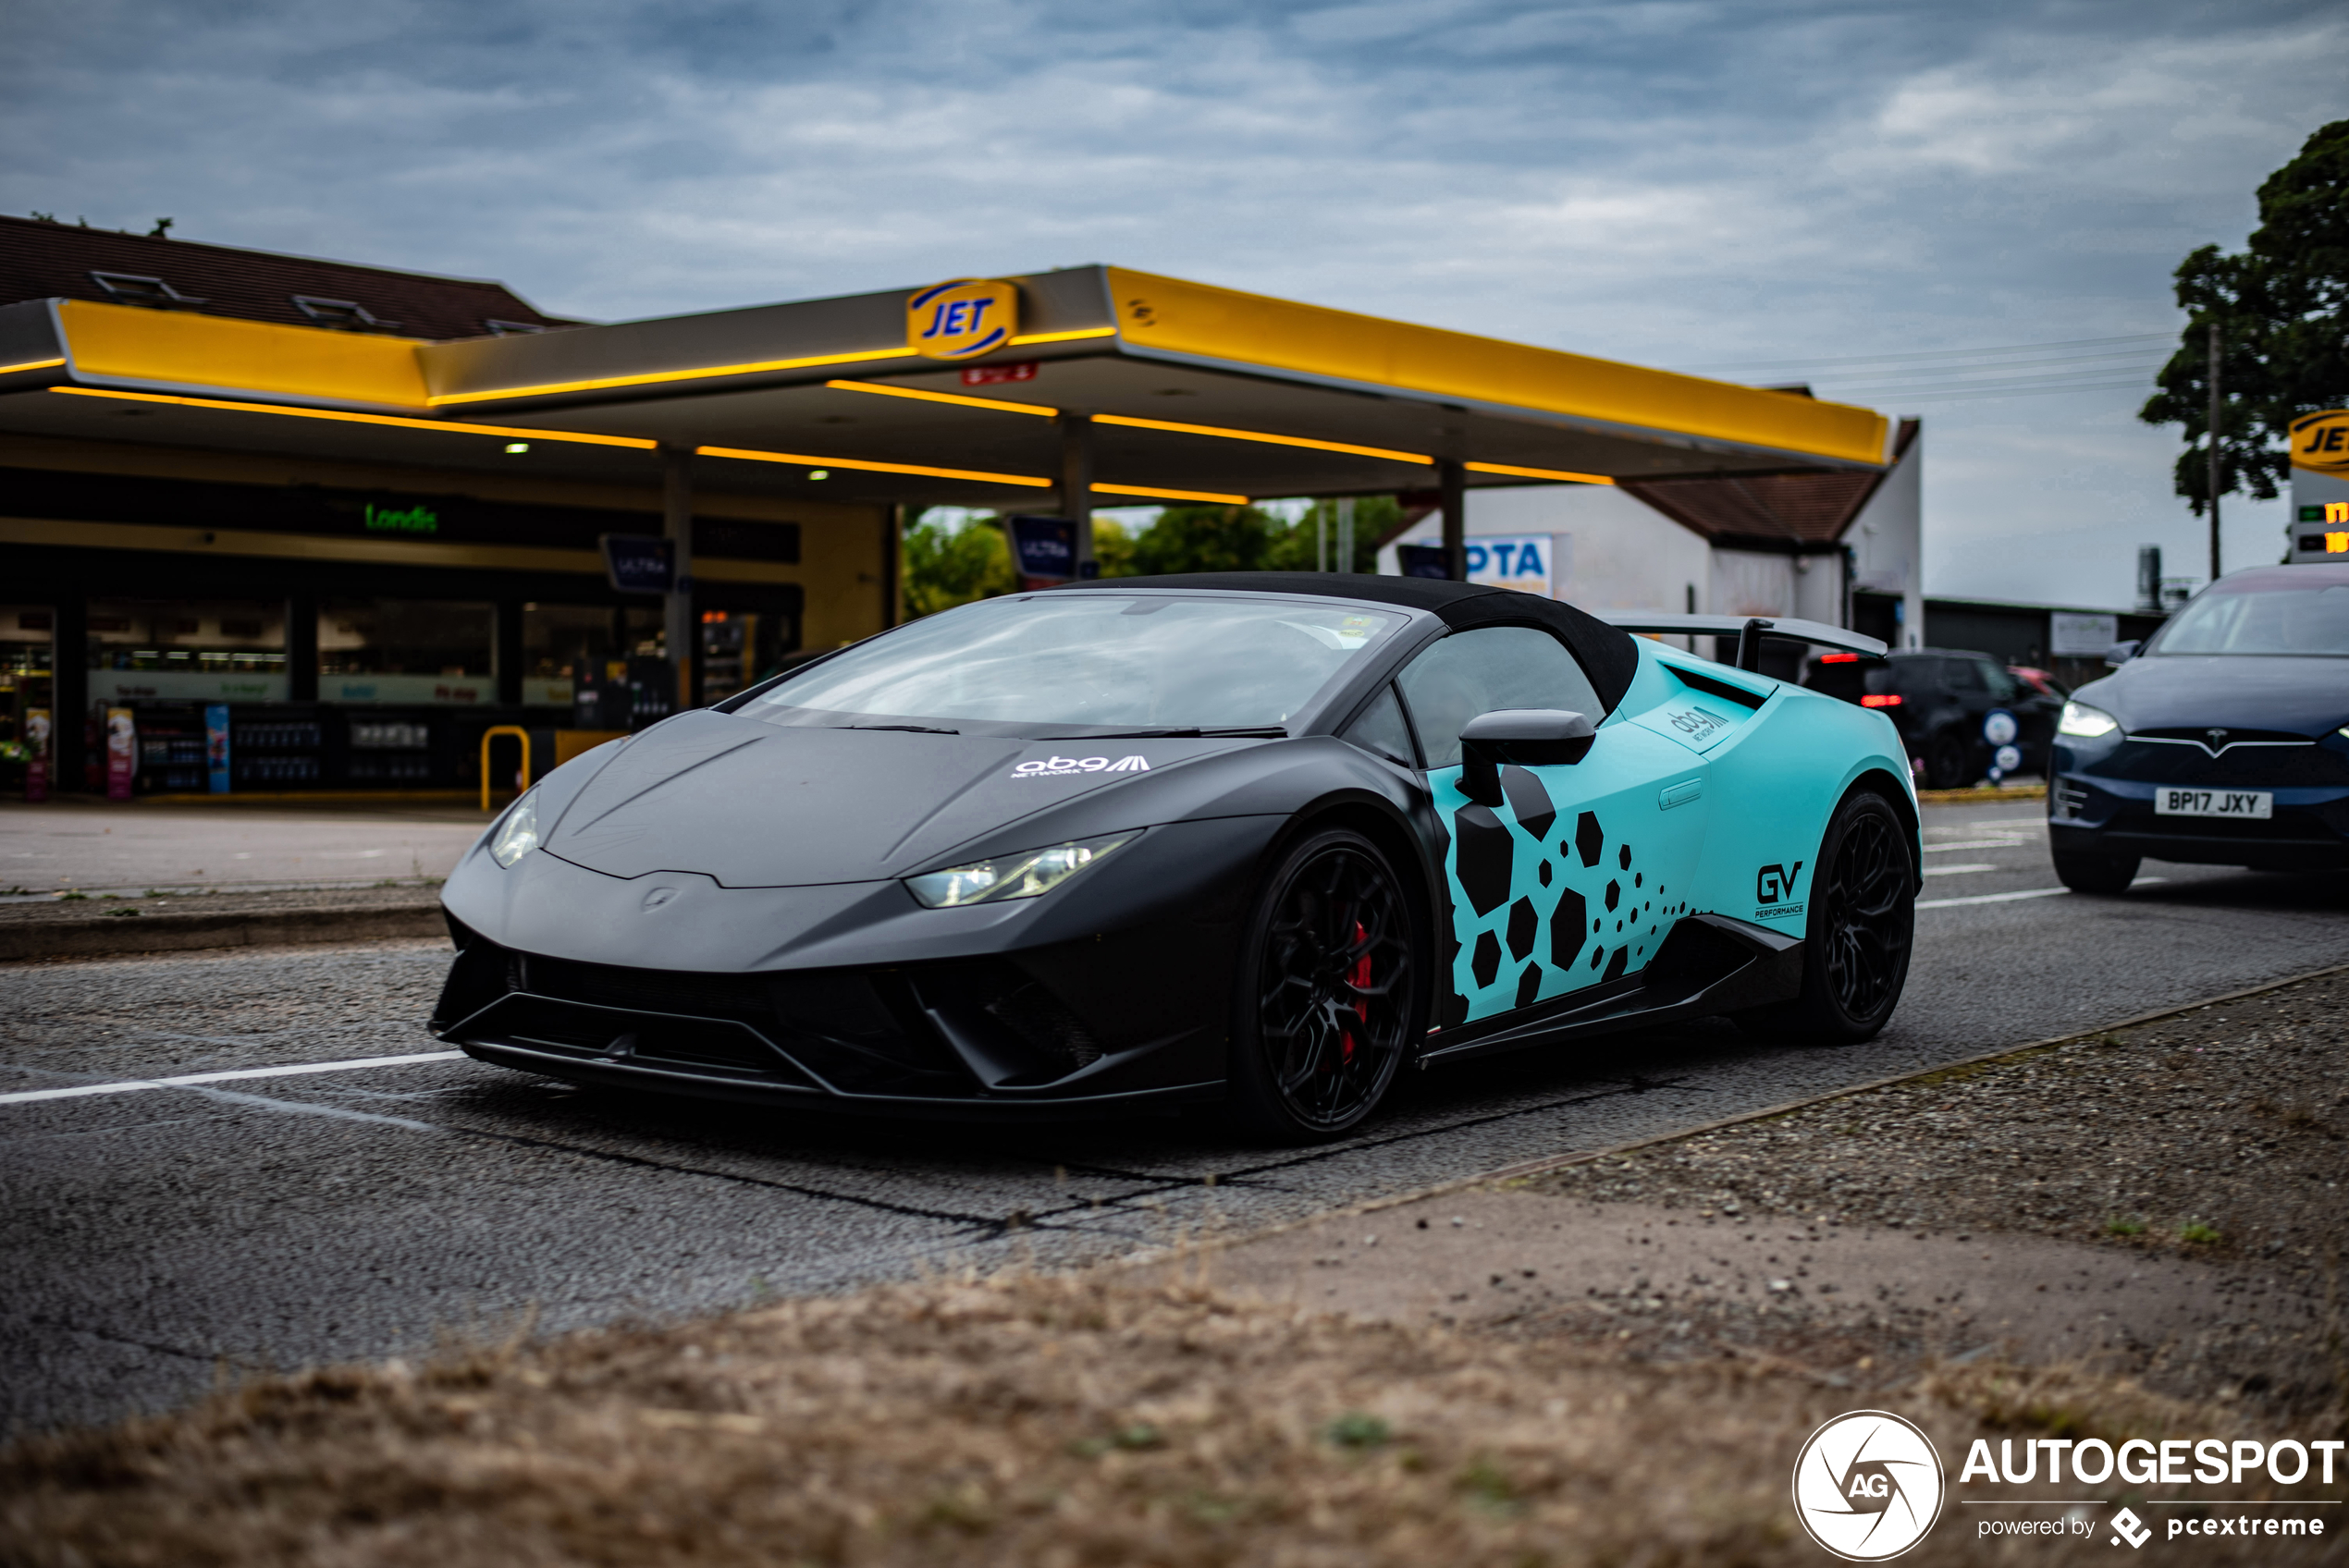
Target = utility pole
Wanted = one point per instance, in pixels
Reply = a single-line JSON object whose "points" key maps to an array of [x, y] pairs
{"points": [[2214, 451], [1346, 534]]}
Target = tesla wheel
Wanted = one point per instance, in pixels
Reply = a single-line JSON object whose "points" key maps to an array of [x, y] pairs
{"points": [[1945, 758], [1330, 998], [2096, 873], [1863, 925]]}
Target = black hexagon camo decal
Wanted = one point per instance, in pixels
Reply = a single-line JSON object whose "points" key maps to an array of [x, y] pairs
{"points": [[1548, 901]]}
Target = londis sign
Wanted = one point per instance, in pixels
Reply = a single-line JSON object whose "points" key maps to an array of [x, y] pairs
{"points": [[961, 320], [2320, 442]]}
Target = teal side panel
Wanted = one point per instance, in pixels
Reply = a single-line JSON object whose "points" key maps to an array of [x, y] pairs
{"points": [[1774, 783], [1575, 877]]}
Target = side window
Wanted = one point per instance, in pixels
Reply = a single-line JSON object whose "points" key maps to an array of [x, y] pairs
{"points": [[1961, 675], [2001, 684], [1493, 667], [1379, 729]]}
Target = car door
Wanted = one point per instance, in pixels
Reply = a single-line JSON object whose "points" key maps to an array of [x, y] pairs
{"points": [[1574, 879]]}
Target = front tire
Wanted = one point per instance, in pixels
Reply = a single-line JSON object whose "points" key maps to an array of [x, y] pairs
{"points": [[1330, 995], [2094, 873], [1862, 930]]}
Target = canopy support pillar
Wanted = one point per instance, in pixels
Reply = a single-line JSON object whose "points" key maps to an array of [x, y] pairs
{"points": [[1077, 485], [677, 631], [1451, 479]]}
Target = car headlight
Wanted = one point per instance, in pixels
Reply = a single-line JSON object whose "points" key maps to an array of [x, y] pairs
{"points": [[1031, 874], [2087, 723], [517, 835]]}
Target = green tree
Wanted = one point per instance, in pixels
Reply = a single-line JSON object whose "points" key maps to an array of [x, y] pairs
{"points": [[2281, 308], [946, 565], [1242, 538]]}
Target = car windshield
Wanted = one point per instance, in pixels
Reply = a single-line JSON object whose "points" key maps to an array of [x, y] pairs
{"points": [[1093, 658], [2314, 619]]}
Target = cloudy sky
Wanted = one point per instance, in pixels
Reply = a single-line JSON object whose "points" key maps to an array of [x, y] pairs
{"points": [[1934, 209]]}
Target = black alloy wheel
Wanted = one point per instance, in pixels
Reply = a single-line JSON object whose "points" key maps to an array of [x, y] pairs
{"points": [[1862, 929], [1330, 998]]}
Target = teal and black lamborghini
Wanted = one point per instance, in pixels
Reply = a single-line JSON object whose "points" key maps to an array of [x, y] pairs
{"points": [[1262, 839]]}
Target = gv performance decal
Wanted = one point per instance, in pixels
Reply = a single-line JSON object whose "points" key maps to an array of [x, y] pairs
{"points": [[1069, 767], [1774, 891]]}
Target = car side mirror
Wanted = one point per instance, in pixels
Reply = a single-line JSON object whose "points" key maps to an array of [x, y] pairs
{"points": [[1530, 737], [2120, 654]]}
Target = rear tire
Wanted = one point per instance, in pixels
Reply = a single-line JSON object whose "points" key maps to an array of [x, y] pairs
{"points": [[1332, 995], [1862, 929], [2096, 873]]}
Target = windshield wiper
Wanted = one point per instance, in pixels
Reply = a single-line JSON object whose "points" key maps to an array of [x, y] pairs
{"points": [[1269, 731], [908, 729]]}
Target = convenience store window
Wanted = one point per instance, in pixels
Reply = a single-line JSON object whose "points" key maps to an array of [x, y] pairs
{"points": [[562, 642], [25, 686], [211, 650], [406, 651]]}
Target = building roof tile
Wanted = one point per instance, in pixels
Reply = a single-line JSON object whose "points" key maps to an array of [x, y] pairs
{"points": [[1789, 509], [39, 259]]}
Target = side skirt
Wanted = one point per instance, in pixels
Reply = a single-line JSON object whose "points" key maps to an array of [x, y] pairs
{"points": [[1710, 964]]}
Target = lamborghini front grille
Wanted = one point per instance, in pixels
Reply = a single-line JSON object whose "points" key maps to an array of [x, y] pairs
{"points": [[949, 1029]]}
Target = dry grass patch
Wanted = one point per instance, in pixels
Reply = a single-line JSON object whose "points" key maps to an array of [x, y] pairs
{"points": [[1047, 1421]]}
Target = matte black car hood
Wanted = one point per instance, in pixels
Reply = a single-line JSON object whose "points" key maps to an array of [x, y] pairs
{"points": [[2305, 696], [760, 805]]}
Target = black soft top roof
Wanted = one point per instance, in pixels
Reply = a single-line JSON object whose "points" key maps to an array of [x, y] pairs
{"points": [[1608, 656]]}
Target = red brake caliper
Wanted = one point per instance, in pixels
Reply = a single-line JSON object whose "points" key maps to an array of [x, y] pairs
{"points": [[1360, 978]]}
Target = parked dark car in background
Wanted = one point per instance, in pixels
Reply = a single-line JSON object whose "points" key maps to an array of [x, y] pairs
{"points": [[2224, 740], [1946, 703]]}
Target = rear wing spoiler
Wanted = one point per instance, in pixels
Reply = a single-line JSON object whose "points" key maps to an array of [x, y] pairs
{"points": [[1749, 631]]}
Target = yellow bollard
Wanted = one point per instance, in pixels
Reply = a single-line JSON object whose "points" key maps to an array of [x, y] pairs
{"points": [[519, 733]]}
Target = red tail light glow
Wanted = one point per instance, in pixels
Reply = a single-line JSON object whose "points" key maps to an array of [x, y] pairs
{"points": [[1838, 659], [1886, 701]]}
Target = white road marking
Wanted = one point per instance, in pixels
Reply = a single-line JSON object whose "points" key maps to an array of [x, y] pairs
{"points": [[2009, 898], [190, 1080], [1957, 870], [1976, 844]]}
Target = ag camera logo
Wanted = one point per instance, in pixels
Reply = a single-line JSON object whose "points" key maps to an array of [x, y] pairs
{"points": [[1868, 1485]]}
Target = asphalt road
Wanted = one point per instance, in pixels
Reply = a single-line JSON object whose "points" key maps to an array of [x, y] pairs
{"points": [[152, 1236]]}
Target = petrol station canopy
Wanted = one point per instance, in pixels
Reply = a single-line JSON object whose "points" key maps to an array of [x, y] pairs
{"points": [[1004, 393]]}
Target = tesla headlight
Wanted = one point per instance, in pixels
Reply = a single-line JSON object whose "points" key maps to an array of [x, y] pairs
{"points": [[1027, 875], [517, 834], [2088, 723]]}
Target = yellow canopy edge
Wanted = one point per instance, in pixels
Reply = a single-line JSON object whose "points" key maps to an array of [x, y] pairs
{"points": [[132, 343], [1224, 323]]}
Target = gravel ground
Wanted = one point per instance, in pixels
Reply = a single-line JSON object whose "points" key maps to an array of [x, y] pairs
{"points": [[2218, 1137], [1058, 1422]]}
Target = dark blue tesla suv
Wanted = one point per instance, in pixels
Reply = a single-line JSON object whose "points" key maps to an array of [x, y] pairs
{"points": [[2222, 740]]}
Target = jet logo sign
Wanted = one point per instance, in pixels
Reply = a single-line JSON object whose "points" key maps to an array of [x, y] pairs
{"points": [[961, 320], [2320, 442]]}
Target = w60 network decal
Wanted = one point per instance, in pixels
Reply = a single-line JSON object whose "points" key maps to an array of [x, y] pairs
{"points": [[1068, 767]]}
